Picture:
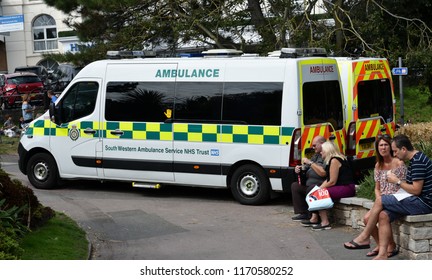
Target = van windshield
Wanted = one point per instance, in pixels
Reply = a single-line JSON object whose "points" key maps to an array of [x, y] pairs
{"points": [[322, 103], [375, 99]]}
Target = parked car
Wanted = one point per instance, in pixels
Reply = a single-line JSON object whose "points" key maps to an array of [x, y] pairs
{"points": [[13, 86], [39, 70], [63, 75]]}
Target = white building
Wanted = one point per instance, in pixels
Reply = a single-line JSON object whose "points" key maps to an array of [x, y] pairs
{"points": [[29, 29]]}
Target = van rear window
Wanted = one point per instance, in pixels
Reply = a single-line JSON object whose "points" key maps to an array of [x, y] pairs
{"points": [[322, 103], [375, 99]]}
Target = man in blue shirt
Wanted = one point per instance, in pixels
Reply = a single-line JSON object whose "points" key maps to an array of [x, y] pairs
{"points": [[415, 196], [52, 96]]}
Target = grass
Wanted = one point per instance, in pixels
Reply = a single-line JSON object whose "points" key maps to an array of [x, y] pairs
{"points": [[416, 107], [60, 239], [8, 145]]}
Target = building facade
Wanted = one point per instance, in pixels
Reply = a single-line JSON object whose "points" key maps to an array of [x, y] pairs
{"points": [[30, 29]]}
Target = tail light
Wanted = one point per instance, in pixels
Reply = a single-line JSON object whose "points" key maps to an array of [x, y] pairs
{"points": [[295, 153], [351, 140]]}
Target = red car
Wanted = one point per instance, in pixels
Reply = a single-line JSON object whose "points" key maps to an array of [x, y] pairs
{"points": [[13, 86]]}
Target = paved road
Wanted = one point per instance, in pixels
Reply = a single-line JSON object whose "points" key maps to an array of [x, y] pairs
{"points": [[187, 223]]}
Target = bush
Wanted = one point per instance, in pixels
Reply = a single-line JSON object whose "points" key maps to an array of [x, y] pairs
{"points": [[366, 187], [9, 245], [17, 195], [20, 211]]}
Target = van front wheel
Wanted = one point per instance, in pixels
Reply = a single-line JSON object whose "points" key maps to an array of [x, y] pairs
{"points": [[42, 171], [250, 185]]}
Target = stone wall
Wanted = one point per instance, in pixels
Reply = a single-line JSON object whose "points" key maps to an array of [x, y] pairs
{"points": [[413, 234]]}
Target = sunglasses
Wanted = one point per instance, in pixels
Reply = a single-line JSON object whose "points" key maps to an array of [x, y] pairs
{"points": [[384, 136]]}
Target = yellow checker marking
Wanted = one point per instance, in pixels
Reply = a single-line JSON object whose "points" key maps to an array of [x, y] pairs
{"points": [[255, 139], [180, 127], [271, 130], [243, 129], [195, 137]]}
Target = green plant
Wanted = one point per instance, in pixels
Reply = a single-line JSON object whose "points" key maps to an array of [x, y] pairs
{"points": [[367, 186], [10, 217], [18, 195], [9, 245]]}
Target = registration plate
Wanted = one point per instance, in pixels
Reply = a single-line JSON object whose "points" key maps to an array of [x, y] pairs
{"points": [[366, 146]]}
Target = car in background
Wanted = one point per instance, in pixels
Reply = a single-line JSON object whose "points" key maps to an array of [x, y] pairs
{"points": [[13, 86], [39, 70], [63, 75]]}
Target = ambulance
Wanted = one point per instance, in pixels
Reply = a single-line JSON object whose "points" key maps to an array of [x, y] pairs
{"points": [[369, 94], [218, 121]]}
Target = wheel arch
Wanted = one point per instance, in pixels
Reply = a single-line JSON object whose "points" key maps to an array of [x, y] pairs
{"points": [[25, 156]]}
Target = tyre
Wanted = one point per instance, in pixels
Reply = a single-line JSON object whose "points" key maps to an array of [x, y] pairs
{"points": [[42, 171], [250, 185]]}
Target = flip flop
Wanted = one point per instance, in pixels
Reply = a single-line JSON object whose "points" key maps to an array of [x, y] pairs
{"points": [[356, 246], [393, 253], [372, 253]]}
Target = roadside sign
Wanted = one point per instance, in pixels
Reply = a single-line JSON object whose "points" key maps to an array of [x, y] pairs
{"points": [[11, 23], [400, 71]]}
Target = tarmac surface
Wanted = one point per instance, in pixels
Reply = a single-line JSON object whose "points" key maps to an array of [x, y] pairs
{"points": [[330, 241]]}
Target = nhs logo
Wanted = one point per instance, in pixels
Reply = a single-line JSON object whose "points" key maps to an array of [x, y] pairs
{"points": [[214, 152]]}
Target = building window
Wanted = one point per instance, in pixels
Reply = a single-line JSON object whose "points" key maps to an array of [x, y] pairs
{"points": [[44, 33]]}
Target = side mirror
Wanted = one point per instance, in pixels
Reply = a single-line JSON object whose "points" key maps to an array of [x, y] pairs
{"points": [[54, 114]]}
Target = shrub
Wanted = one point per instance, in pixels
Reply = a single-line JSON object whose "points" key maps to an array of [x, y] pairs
{"points": [[9, 245], [366, 187], [20, 196]]}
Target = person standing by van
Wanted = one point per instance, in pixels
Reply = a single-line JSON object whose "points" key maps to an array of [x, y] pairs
{"points": [[27, 109], [52, 96], [315, 175]]}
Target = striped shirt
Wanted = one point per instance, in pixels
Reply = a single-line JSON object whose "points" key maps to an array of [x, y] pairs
{"points": [[420, 168]]}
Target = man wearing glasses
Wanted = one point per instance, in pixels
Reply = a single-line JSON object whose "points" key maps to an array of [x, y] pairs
{"points": [[314, 169]]}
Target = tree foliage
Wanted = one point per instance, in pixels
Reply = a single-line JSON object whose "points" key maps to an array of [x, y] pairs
{"points": [[347, 27]]}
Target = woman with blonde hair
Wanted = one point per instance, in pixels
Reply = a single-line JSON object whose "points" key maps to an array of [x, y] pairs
{"points": [[339, 182]]}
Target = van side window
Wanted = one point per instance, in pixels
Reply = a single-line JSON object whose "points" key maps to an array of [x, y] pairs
{"points": [[138, 101], [322, 103], [198, 101], [79, 101], [252, 103], [375, 99]]}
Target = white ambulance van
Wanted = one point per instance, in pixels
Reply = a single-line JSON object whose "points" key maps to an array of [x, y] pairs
{"points": [[369, 94], [241, 123]]}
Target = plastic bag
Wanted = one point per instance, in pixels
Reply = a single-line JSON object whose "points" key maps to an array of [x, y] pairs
{"points": [[10, 133], [319, 199]]}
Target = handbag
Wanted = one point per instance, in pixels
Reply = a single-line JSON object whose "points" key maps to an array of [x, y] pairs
{"points": [[319, 199]]}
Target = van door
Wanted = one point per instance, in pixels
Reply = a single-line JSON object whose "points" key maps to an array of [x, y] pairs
{"points": [[322, 104], [74, 140], [374, 112], [138, 141]]}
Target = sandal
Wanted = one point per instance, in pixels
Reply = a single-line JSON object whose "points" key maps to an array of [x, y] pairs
{"points": [[356, 245], [372, 253]]}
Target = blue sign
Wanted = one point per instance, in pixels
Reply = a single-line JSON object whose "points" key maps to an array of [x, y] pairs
{"points": [[11, 23], [400, 71]]}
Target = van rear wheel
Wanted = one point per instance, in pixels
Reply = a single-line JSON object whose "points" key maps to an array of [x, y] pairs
{"points": [[42, 171], [250, 185]]}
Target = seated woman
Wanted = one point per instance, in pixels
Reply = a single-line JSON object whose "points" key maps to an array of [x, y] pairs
{"points": [[339, 182], [385, 162]]}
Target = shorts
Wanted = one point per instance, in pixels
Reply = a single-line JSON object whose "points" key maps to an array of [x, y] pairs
{"points": [[411, 205]]}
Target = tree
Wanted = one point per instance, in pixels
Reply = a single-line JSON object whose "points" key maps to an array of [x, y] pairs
{"points": [[347, 27]]}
